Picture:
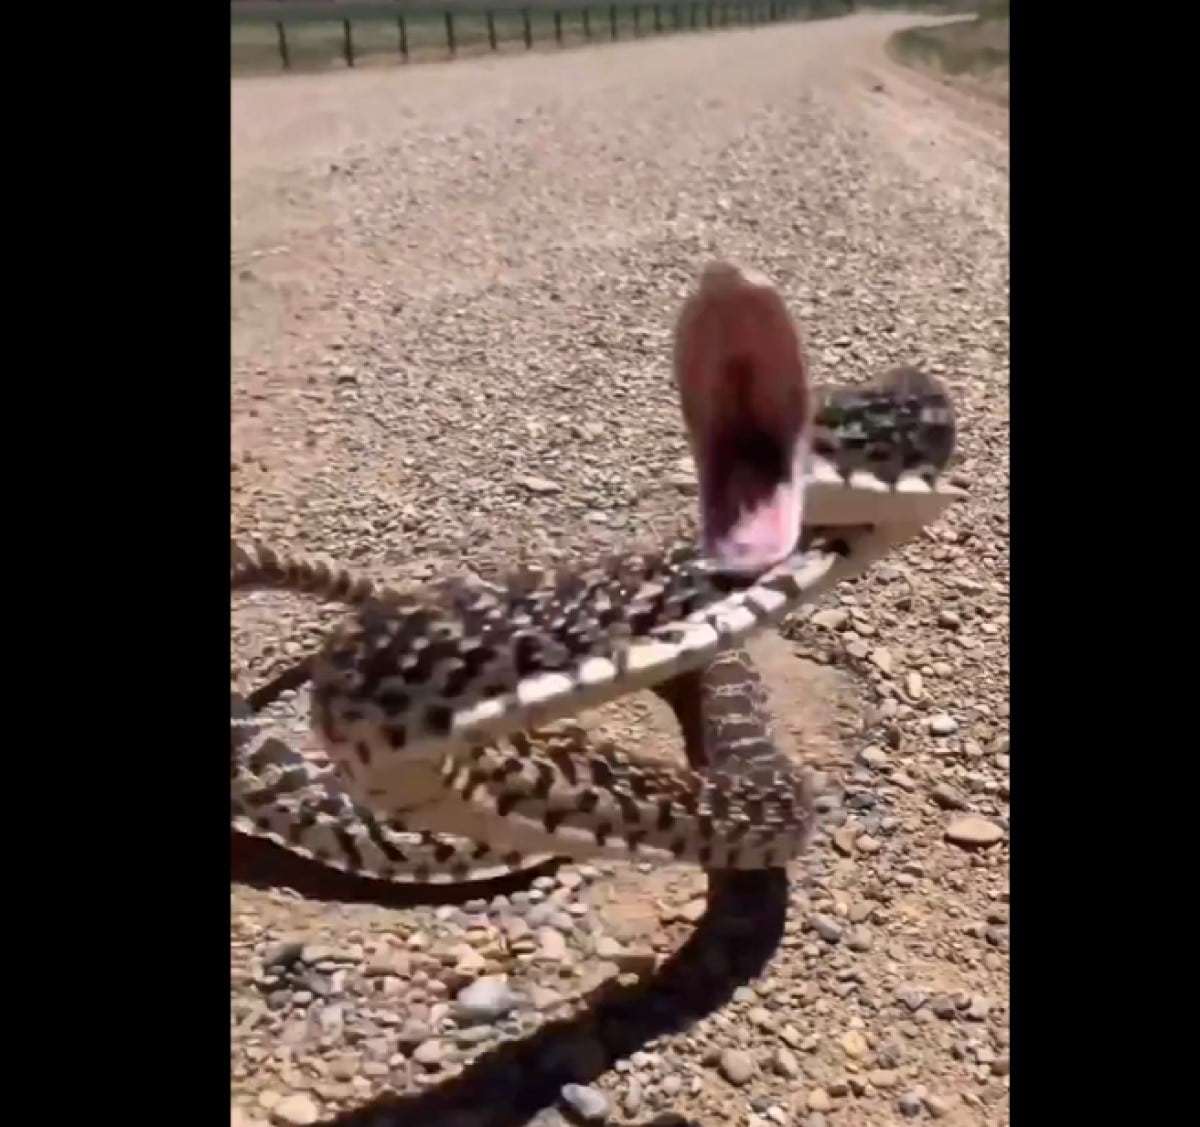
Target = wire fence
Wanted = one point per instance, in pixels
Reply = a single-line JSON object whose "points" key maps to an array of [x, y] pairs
{"points": [[269, 34]]}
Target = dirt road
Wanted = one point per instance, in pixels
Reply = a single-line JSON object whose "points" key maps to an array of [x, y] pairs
{"points": [[452, 297]]}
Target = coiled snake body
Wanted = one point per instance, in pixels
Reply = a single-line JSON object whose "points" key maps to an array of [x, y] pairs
{"points": [[442, 712]]}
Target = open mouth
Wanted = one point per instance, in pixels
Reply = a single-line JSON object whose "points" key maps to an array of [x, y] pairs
{"points": [[747, 404]]}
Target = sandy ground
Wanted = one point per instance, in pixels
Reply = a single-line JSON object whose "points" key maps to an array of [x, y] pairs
{"points": [[452, 297]]}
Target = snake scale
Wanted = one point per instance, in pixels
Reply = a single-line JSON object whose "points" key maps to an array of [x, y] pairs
{"points": [[443, 712]]}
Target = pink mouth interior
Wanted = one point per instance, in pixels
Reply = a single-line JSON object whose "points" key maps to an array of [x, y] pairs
{"points": [[744, 389], [751, 496]]}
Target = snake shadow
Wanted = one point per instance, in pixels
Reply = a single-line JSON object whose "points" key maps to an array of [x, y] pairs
{"points": [[262, 864], [510, 1084]]}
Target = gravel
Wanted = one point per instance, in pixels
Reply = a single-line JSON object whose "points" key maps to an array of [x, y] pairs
{"points": [[452, 299]]}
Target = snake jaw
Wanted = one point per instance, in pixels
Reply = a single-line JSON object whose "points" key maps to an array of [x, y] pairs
{"points": [[748, 407]]}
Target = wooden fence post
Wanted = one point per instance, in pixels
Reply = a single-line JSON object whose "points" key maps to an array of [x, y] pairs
{"points": [[558, 27], [451, 44], [491, 25], [528, 29], [347, 43], [612, 20], [403, 37], [587, 24], [284, 57]]}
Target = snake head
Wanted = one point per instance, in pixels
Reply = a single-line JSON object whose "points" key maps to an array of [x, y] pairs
{"points": [[748, 407]]}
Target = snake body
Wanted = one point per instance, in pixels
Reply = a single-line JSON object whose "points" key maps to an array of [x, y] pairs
{"points": [[442, 711]]}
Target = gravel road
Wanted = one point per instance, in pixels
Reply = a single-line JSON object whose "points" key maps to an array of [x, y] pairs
{"points": [[452, 297]]}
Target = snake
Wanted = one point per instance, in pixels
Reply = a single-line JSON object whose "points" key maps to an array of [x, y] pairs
{"points": [[445, 712]]}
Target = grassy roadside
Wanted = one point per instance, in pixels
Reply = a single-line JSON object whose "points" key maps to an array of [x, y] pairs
{"points": [[971, 54]]}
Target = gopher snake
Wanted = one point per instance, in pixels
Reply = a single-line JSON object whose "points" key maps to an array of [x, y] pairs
{"points": [[407, 693]]}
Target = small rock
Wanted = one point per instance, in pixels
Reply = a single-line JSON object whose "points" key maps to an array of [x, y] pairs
{"points": [[883, 1078], [429, 1053], [973, 832], [412, 1033], [785, 1063], [540, 485], [843, 840], [296, 1110], [818, 1100], [854, 1044], [344, 1067], [833, 619], [881, 658], [909, 1105], [937, 1106], [761, 1017], [826, 927], [486, 999], [282, 955], [943, 1005], [543, 997], [949, 619], [551, 943], [790, 1035], [914, 685], [943, 725], [736, 1066], [694, 909], [860, 939], [874, 757], [590, 1104], [948, 798]]}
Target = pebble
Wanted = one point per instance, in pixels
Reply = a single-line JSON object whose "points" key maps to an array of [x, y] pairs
{"points": [[539, 485], [973, 831], [295, 1110], [486, 999], [428, 1053], [827, 928], [736, 1066], [854, 1044], [874, 757], [819, 1100], [937, 1106], [860, 939], [590, 1104], [943, 725], [833, 619], [552, 944], [785, 1063], [948, 798], [910, 1105]]}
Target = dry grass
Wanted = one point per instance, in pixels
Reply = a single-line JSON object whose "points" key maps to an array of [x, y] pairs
{"points": [[970, 54]]}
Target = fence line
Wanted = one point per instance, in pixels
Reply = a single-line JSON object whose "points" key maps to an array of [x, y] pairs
{"points": [[568, 19]]}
